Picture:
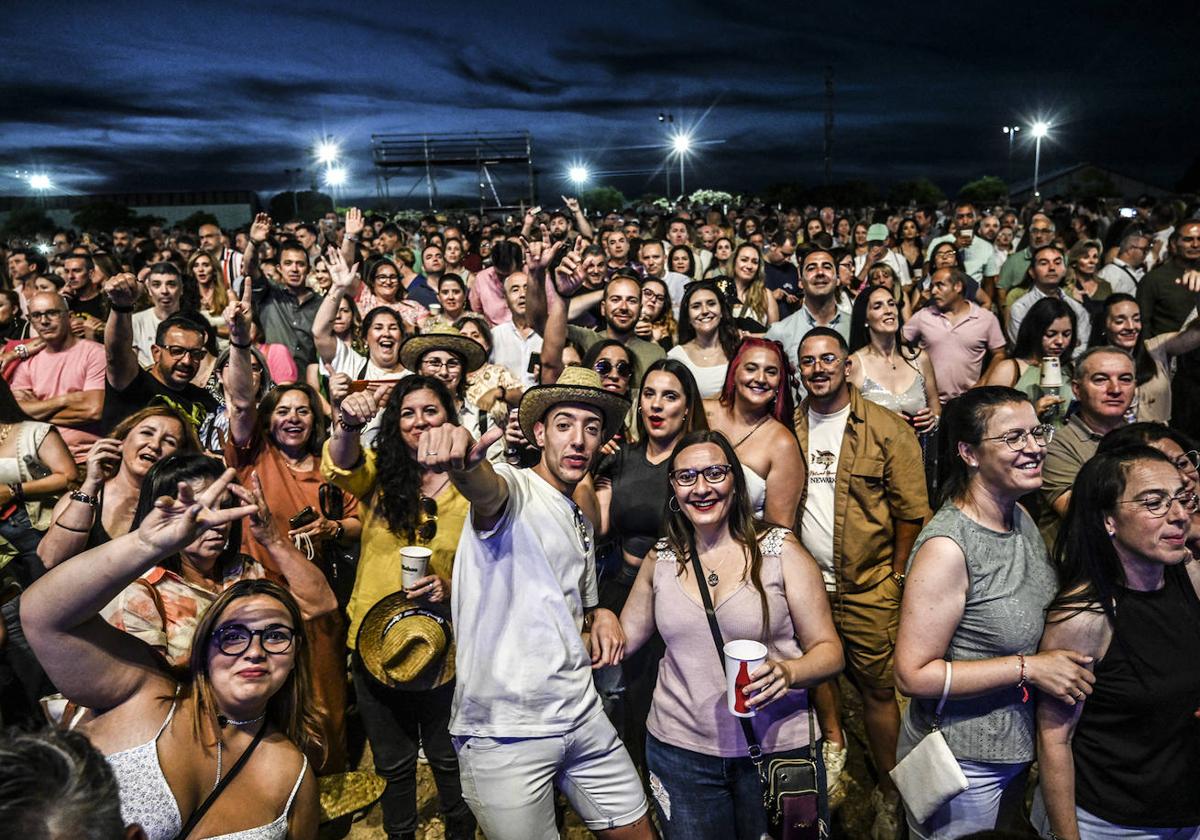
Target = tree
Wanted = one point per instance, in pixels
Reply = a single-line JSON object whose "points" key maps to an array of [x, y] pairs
{"points": [[308, 205], [919, 191], [200, 217], [984, 191], [27, 222], [603, 199], [103, 216]]}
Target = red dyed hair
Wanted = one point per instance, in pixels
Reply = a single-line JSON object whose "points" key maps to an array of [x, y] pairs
{"points": [[785, 404]]}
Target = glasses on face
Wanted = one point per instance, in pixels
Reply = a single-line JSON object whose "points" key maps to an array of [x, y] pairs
{"points": [[1015, 439], [427, 529], [196, 354], [1041, 230], [438, 364], [386, 279], [46, 314], [713, 474], [234, 639], [1188, 461], [651, 297], [1159, 504], [826, 360], [604, 367]]}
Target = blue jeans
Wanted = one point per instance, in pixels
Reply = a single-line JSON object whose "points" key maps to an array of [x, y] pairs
{"points": [[702, 796], [995, 800]]}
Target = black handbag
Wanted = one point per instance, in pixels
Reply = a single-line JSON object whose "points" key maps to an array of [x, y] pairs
{"points": [[791, 789]]}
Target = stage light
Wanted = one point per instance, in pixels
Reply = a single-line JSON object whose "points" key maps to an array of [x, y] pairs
{"points": [[578, 175], [681, 143], [40, 182], [327, 152], [1040, 129], [335, 176]]}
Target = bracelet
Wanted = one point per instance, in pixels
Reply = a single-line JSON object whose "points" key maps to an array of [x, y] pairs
{"points": [[352, 238], [80, 496], [124, 310], [18, 492], [245, 346], [58, 524], [1023, 683], [22, 351]]}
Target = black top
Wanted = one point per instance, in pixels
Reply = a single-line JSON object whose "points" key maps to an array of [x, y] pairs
{"points": [[783, 276], [1137, 744], [145, 390], [639, 496], [92, 306]]}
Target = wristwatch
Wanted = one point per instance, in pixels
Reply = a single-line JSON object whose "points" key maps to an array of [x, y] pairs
{"points": [[899, 578]]}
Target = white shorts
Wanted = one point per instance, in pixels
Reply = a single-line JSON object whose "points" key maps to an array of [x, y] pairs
{"points": [[509, 782]]}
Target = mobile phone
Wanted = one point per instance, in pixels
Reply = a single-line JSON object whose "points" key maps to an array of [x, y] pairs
{"points": [[1128, 212], [535, 360], [304, 517]]}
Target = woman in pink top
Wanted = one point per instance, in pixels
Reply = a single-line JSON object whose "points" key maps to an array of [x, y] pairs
{"points": [[764, 586]]}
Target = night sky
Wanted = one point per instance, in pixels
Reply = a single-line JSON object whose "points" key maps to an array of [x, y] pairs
{"points": [[124, 96]]}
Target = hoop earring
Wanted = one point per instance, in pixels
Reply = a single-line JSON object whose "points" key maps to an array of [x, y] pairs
{"points": [[673, 505]]}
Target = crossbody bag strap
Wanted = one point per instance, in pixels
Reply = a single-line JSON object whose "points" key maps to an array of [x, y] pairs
{"points": [[199, 813], [755, 749]]}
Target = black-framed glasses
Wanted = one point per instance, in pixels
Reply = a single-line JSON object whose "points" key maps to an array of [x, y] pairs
{"points": [[604, 367], [428, 510], [1159, 504], [438, 364], [713, 474], [196, 354], [1015, 439], [47, 314], [234, 639]]}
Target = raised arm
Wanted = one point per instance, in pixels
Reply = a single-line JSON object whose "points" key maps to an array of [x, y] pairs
{"points": [[451, 449], [122, 291], [90, 661], [581, 222], [260, 229], [342, 276], [239, 382], [554, 325], [73, 519]]}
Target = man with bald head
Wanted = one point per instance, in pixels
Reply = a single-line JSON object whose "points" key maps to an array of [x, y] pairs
{"points": [[230, 260], [64, 383]]}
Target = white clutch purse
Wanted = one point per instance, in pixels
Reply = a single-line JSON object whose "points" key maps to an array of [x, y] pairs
{"points": [[929, 776]]}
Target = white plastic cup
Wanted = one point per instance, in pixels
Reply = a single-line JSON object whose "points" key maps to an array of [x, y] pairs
{"points": [[742, 658], [1051, 374], [414, 560]]}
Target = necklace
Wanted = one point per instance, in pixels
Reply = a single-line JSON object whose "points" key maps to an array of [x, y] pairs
{"points": [[713, 578], [223, 721]]}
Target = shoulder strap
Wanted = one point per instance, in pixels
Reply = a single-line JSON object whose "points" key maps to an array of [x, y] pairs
{"points": [[199, 813], [296, 787], [158, 601]]}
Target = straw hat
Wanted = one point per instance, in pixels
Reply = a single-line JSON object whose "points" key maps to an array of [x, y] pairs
{"points": [[442, 337], [575, 385], [406, 645], [345, 793]]}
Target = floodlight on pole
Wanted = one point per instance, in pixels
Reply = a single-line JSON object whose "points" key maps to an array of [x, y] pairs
{"points": [[1011, 131], [578, 175], [40, 182], [1039, 130], [682, 144], [335, 176], [328, 152]]}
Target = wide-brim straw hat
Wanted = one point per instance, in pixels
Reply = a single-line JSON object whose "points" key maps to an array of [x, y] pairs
{"points": [[442, 337], [346, 793], [575, 385], [406, 645]]}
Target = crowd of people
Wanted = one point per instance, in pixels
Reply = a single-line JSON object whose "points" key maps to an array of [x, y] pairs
{"points": [[486, 489]]}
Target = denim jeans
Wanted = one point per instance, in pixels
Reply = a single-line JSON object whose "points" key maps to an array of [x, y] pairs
{"points": [[995, 800], [704, 797], [397, 723]]}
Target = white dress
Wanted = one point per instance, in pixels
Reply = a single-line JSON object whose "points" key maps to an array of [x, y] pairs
{"points": [[710, 380]]}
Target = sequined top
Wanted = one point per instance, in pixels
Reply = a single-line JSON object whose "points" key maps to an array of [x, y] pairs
{"points": [[911, 401]]}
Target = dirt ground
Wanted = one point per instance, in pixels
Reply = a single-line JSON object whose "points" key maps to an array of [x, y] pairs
{"points": [[852, 821]]}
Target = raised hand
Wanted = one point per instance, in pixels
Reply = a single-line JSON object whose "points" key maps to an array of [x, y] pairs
{"points": [[354, 222], [262, 523], [239, 314], [122, 289], [570, 269], [103, 461], [341, 274], [451, 447], [261, 228], [572, 203], [174, 523], [358, 409]]}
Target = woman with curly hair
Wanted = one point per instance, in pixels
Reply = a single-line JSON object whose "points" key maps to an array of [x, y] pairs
{"points": [[401, 504]]}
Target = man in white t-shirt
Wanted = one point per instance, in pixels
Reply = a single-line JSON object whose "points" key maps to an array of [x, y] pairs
{"points": [[865, 504], [165, 289], [514, 342], [526, 714]]}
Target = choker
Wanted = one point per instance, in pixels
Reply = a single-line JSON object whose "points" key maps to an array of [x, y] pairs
{"points": [[226, 721]]}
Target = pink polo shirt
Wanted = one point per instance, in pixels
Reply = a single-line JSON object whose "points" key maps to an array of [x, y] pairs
{"points": [[956, 350], [487, 296], [80, 367]]}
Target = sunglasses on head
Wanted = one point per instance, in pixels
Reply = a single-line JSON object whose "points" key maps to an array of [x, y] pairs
{"points": [[604, 367]]}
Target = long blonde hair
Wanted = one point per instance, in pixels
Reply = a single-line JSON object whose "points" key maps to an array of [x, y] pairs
{"points": [[220, 297], [756, 292]]}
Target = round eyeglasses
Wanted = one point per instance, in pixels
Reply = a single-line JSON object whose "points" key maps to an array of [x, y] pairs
{"points": [[234, 639]]}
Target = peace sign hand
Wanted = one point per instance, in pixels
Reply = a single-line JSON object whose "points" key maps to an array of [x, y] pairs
{"points": [[174, 523], [239, 314]]}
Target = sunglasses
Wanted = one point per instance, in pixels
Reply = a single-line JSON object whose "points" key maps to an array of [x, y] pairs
{"points": [[428, 527], [604, 367]]}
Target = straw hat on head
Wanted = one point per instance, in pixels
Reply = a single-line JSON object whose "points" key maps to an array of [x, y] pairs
{"points": [[575, 385], [406, 645], [442, 337]]}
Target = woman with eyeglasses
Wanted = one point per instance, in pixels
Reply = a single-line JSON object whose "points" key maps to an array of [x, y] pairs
{"points": [[384, 285], [1120, 325], [977, 586], [657, 321], [631, 489], [402, 504], [1120, 760], [754, 411], [1047, 332], [170, 736], [765, 587], [708, 337]]}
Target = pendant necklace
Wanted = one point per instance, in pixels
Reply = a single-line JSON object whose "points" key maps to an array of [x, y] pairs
{"points": [[713, 579]]}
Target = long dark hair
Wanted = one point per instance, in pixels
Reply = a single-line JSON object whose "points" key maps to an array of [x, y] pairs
{"points": [[163, 480], [743, 527], [964, 420], [691, 272], [696, 419], [860, 333], [1142, 360], [316, 438], [399, 484], [1089, 570], [10, 409], [784, 404], [1038, 319], [593, 353], [727, 331]]}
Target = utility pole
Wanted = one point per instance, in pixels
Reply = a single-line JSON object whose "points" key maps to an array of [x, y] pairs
{"points": [[828, 124]]}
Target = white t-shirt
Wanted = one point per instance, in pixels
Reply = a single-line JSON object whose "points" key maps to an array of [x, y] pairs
{"points": [[348, 361], [512, 351], [145, 326], [825, 433], [519, 595]]}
